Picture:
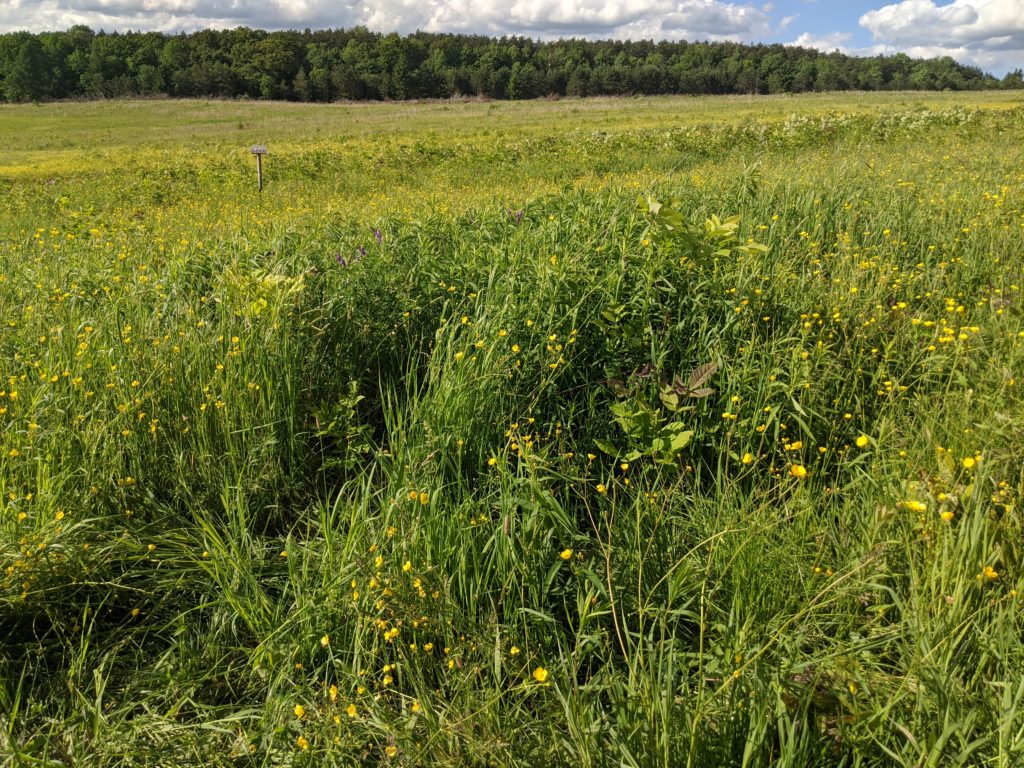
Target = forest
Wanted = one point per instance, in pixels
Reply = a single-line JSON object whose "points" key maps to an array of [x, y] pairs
{"points": [[358, 64]]}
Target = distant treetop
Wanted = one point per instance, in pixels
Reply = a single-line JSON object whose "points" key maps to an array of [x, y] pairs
{"points": [[328, 65]]}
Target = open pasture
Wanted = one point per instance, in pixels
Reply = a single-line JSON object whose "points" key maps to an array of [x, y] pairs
{"points": [[641, 432]]}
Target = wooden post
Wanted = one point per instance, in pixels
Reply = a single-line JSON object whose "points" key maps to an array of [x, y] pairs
{"points": [[259, 150]]}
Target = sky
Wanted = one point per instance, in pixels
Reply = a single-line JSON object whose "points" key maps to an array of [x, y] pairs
{"points": [[984, 33]]}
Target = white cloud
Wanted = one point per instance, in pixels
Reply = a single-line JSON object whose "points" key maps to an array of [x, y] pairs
{"points": [[658, 19], [698, 20], [989, 33], [787, 20], [836, 41]]}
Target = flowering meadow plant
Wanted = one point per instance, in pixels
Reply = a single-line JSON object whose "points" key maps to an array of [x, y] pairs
{"points": [[684, 432]]}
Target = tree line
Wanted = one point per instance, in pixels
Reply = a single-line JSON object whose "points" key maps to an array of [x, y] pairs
{"points": [[357, 64]]}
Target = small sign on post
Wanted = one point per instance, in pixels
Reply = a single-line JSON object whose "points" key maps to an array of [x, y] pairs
{"points": [[259, 150]]}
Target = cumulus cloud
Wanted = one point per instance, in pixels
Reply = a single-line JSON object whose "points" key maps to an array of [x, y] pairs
{"points": [[989, 33], [835, 41], [145, 15], [699, 20], [658, 19]]}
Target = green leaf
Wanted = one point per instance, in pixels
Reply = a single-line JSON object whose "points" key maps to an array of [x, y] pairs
{"points": [[613, 313], [669, 398], [678, 436]]}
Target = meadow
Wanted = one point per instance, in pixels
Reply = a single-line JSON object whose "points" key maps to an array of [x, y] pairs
{"points": [[632, 432]]}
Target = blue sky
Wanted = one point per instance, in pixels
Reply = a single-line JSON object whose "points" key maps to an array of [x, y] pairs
{"points": [[986, 33], [828, 17]]}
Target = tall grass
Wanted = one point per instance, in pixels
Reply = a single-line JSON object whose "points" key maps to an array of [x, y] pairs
{"points": [[585, 482]]}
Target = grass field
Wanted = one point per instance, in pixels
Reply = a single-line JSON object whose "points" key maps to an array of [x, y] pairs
{"points": [[653, 432]]}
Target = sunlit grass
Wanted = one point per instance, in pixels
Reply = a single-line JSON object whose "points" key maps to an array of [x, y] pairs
{"points": [[452, 447]]}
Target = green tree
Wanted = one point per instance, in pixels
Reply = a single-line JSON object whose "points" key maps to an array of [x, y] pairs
{"points": [[150, 80], [359, 64], [579, 81], [300, 86], [26, 79]]}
